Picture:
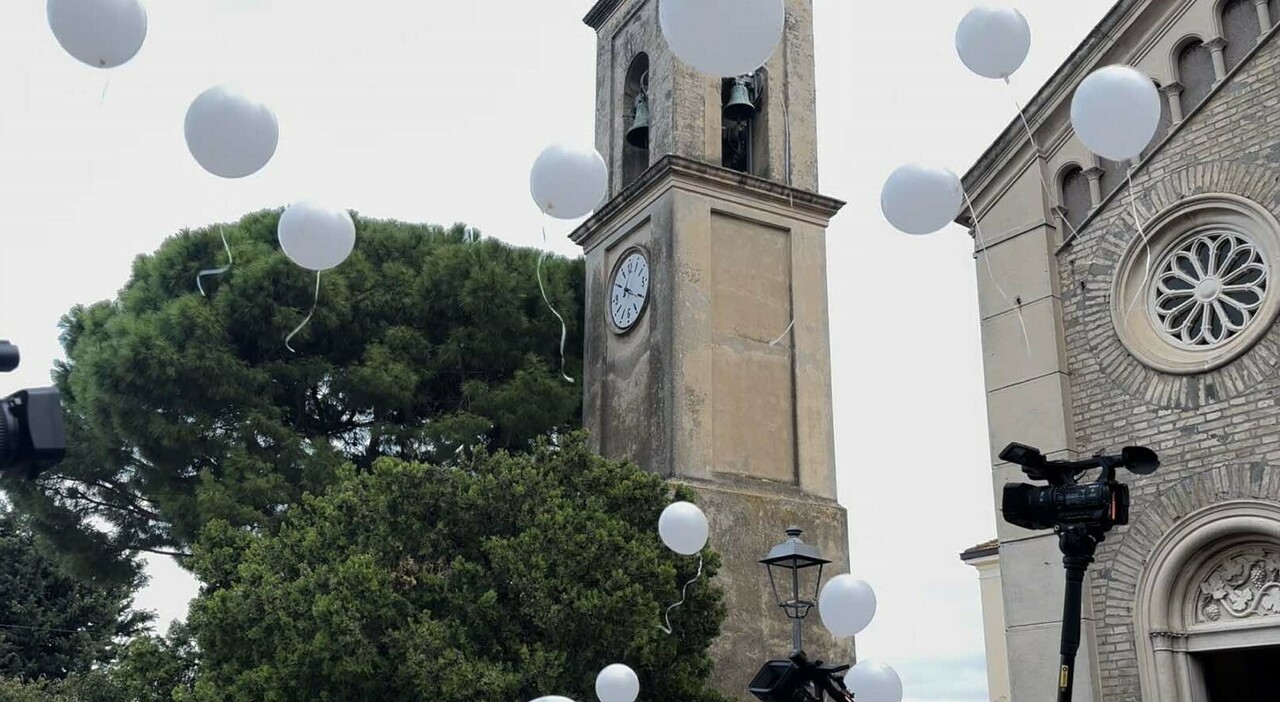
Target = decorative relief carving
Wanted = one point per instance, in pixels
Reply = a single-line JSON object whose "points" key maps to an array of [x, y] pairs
{"points": [[1244, 585]]}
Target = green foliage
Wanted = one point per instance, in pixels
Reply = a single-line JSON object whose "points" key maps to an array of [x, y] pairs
{"points": [[92, 687], [504, 577], [155, 669], [150, 669], [52, 624], [183, 409]]}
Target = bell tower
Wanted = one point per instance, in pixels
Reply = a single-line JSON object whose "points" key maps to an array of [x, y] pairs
{"points": [[707, 341]]}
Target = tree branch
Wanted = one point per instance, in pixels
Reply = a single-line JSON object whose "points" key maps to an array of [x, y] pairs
{"points": [[131, 508], [161, 552]]}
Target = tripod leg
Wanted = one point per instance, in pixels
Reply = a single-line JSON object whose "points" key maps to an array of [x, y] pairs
{"points": [[1070, 633], [1078, 554]]}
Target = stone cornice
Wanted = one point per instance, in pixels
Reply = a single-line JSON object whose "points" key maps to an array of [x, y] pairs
{"points": [[600, 13], [678, 171], [981, 551]]}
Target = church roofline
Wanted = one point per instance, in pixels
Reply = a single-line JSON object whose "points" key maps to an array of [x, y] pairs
{"points": [[600, 13], [982, 173], [802, 204], [1087, 53], [983, 550]]}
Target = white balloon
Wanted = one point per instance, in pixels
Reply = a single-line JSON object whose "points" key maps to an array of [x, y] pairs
{"points": [[617, 683], [683, 528], [723, 37], [316, 237], [101, 33], [873, 682], [553, 698], [847, 605], [921, 200], [229, 134], [568, 182], [1116, 112], [993, 41]]}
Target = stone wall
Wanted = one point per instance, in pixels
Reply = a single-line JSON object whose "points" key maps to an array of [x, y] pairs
{"points": [[1217, 432], [698, 390]]}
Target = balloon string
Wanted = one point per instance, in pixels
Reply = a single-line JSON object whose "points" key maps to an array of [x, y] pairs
{"points": [[986, 257], [783, 335], [105, 85], [1146, 243], [314, 304], [564, 328], [1044, 184], [684, 593], [222, 230]]}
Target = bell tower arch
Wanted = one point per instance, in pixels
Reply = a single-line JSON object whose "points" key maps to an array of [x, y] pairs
{"points": [[707, 356], [637, 120]]}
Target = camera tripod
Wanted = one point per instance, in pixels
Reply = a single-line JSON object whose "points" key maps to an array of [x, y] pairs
{"points": [[1080, 514], [1078, 543]]}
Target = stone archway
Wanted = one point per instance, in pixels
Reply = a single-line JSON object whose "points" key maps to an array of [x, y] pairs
{"points": [[1191, 601]]}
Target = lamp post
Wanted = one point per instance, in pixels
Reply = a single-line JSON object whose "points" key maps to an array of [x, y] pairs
{"points": [[796, 568], [793, 562]]}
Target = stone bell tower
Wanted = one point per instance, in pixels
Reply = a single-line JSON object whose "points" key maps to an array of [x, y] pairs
{"points": [[707, 343]]}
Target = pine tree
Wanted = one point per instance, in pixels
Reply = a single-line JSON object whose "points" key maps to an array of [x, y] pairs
{"points": [[52, 624], [184, 409]]}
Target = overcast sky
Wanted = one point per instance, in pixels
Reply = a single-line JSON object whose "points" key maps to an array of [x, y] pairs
{"points": [[432, 111]]}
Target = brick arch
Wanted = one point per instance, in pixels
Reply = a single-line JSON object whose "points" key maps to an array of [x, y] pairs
{"points": [[1116, 587], [1105, 241], [1155, 517]]}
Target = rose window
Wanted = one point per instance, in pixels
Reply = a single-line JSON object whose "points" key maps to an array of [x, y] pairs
{"points": [[1209, 289]]}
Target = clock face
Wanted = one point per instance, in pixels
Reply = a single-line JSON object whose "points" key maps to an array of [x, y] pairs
{"points": [[630, 290]]}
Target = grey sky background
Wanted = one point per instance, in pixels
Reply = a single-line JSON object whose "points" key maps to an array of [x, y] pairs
{"points": [[432, 111]]}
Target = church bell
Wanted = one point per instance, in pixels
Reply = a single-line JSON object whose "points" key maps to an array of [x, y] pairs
{"points": [[740, 108], [638, 134]]}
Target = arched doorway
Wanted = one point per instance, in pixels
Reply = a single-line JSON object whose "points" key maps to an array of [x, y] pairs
{"points": [[1208, 607]]}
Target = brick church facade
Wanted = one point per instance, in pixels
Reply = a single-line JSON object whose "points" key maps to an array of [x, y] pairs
{"points": [[1150, 313]]}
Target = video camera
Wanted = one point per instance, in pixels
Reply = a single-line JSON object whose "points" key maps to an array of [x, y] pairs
{"points": [[1081, 514], [33, 436], [799, 679], [1100, 504]]}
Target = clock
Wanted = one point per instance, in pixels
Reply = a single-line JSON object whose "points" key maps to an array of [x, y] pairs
{"points": [[629, 291]]}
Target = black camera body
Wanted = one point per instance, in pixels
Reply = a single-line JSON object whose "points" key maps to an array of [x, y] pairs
{"points": [[1039, 507], [1098, 505], [33, 435]]}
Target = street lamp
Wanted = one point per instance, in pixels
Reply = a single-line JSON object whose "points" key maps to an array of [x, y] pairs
{"points": [[794, 563], [798, 567]]}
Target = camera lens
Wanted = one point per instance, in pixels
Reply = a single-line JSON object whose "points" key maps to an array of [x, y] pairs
{"points": [[8, 357]]}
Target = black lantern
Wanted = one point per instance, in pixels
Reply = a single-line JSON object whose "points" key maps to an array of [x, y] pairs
{"points": [[799, 568]]}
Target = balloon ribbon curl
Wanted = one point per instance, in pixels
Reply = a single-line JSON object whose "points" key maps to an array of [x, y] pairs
{"points": [[684, 594], [314, 304], [222, 230], [564, 328]]}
